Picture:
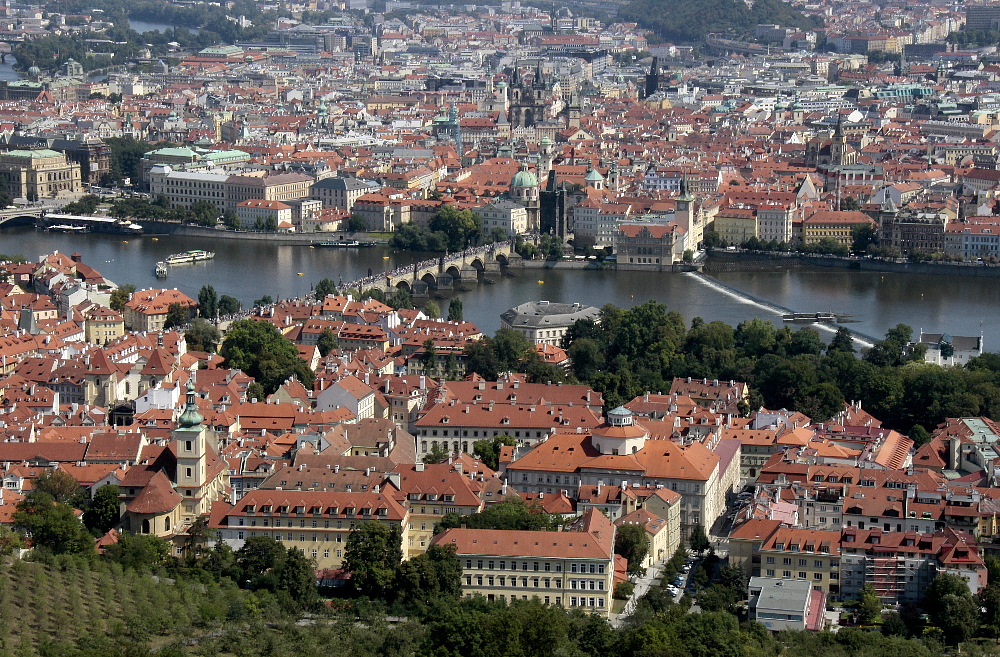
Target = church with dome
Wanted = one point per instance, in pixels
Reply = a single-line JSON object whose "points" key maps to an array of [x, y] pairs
{"points": [[177, 482], [634, 453]]}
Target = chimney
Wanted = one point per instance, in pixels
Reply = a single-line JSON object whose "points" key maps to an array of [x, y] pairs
{"points": [[301, 467], [423, 382], [336, 468], [458, 466], [419, 467]]}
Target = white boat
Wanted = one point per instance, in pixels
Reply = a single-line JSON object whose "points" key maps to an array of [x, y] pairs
{"points": [[161, 269], [196, 255]]}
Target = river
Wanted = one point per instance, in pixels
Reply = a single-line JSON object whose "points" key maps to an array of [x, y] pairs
{"points": [[250, 270], [147, 26]]}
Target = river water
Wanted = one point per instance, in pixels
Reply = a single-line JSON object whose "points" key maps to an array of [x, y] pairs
{"points": [[147, 26], [250, 270]]}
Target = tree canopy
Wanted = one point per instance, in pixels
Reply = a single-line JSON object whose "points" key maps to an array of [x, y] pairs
{"points": [[371, 555], [261, 351]]}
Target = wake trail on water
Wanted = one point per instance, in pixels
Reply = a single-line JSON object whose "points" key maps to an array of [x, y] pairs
{"points": [[750, 300]]}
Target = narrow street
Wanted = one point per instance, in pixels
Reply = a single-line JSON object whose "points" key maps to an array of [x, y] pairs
{"points": [[641, 586]]}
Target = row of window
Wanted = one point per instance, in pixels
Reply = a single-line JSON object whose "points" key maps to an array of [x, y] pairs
{"points": [[802, 562], [787, 574], [545, 566], [289, 536], [536, 582]]}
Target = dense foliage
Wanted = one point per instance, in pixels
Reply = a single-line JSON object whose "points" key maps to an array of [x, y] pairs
{"points": [[509, 351], [677, 20], [629, 352], [260, 350], [512, 513]]}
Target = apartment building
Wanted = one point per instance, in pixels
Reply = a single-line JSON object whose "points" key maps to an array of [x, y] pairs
{"points": [[431, 491], [573, 568], [315, 522]]}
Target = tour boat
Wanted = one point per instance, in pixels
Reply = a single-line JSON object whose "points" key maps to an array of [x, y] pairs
{"points": [[161, 269], [196, 255]]}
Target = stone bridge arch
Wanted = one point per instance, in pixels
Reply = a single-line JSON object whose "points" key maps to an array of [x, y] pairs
{"points": [[429, 279]]}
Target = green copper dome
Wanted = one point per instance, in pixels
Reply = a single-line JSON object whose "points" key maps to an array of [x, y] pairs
{"points": [[524, 178], [191, 417], [593, 176]]}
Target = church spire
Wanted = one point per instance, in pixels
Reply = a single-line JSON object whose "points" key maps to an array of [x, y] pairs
{"points": [[191, 417]]}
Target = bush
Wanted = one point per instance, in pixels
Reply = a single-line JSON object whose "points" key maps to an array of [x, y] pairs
{"points": [[624, 590]]}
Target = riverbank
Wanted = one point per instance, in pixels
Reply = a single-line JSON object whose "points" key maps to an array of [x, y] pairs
{"points": [[736, 261]]}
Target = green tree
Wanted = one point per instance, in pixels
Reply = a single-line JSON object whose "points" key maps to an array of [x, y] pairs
{"points": [[842, 341], [356, 224], [699, 539], [989, 602], [265, 300], [120, 296], [51, 525], [958, 617], [208, 302], [261, 351], [432, 310], [140, 551], [325, 288], [371, 555], [487, 450], [624, 590], [229, 305], [869, 605], [587, 358], [61, 485], [296, 575], [436, 454], [512, 513], [462, 227], [202, 335], [480, 358], [104, 510], [327, 342], [863, 236], [177, 315], [951, 607], [894, 625], [259, 556], [428, 357], [430, 577], [455, 313], [632, 542], [231, 221], [919, 435], [10, 541], [400, 298]]}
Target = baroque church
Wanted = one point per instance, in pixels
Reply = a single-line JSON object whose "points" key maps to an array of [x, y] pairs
{"points": [[178, 482]]}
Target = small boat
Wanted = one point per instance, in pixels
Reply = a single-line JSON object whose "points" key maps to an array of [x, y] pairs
{"points": [[161, 269], [809, 318], [301, 273], [343, 244], [156, 239], [195, 255]]}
